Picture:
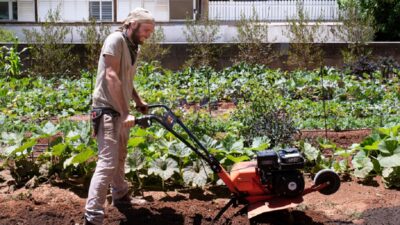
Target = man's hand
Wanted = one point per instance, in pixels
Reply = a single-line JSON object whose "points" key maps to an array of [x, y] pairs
{"points": [[142, 107], [129, 121]]}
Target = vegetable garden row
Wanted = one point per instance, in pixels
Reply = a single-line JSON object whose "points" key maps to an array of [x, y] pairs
{"points": [[38, 138]]}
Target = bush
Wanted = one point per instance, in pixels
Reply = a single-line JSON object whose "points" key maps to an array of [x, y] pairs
{"points": [[152, 50], [7, 36], [304, 53], [265, 116], [202, 34], [252, 33], [357, 30], [93, 35], [48, 52]]}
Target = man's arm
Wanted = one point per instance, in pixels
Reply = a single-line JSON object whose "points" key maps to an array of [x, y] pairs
{"points": [[141, 105], [114, 86]]}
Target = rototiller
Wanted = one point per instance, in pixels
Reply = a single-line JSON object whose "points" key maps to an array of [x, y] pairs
{"points": [[272, 182]]}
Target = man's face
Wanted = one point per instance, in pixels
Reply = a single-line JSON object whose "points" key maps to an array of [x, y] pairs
{"points": [[141, 32]]}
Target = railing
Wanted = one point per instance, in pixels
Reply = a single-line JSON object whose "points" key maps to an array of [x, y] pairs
{"points": [[273, 10]]}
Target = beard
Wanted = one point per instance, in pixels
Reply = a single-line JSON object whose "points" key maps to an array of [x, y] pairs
{"points": [[135, 36]]}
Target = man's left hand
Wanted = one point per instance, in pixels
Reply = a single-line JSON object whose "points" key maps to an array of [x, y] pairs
{"points": [[142, 107]]}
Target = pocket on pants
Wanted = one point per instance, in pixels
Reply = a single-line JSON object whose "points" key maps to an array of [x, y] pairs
{"points": [[110, 127]]}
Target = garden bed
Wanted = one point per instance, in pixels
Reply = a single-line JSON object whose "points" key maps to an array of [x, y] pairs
{"points": [[354, 203]]}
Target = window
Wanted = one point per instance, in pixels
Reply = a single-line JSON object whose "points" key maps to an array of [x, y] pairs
{"points": [[8, 10], [101, 10]]}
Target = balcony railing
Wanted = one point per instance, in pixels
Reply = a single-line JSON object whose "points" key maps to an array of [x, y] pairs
{"points": [[273, 10]]}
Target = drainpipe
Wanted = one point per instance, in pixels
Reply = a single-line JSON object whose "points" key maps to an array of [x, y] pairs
{"points": [[115, 11], [204, 9], [36, 11]]}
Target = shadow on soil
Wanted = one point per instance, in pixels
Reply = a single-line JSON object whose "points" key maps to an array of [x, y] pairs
{"points": [[390, 215], [144, 216], [285, 217]]}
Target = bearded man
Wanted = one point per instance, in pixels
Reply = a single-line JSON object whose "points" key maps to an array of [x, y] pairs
{"points": [[110, 112]]}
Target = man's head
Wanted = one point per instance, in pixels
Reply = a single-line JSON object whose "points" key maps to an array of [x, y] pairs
{"points": [[139, 25]]}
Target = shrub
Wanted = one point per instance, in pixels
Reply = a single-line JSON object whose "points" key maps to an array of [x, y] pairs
{"points": [[49, 53], [265, 116], [93, 35], [357, 30], [202, 35], [304, 53], [152, 50], [252, 34]]}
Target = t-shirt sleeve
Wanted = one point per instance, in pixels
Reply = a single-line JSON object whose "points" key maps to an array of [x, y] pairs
{"points": [[112, 45]]}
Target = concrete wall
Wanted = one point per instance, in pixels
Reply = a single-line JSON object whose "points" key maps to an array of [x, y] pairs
{"points": [[174, 32], [333, 57]]}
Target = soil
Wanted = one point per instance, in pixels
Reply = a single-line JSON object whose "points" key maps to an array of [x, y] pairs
{"points": [[354, 203]]}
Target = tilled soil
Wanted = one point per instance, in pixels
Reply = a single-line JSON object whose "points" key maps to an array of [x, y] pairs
{"points": [[352, 204]]}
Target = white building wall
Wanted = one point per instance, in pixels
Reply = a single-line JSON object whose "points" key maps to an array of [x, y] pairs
{"points": [[70, 10], [159, 8]]}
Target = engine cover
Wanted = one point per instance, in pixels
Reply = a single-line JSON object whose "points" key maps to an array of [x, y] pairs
{"points": [[288, 183], [279, 171]]}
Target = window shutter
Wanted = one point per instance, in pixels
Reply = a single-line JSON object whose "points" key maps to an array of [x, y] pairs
{"points": [[94, 10], [106, 11]]}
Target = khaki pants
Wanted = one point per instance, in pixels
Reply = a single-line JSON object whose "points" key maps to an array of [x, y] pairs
{"points": [[112, 140]]}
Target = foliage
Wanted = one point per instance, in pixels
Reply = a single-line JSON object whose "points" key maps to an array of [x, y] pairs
{"points": [[362, 66], [33, 110], [304, 52], [357, 30], [152, 50], [93, 35], [386, 14], [67, 156], [252, 34], [380, 154], [10, 60], [388, 67], [7, 36], [202, 34], [49, 54], [265, 116]]}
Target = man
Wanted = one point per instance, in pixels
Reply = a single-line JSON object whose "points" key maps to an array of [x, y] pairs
{"points": [[114, 89]]}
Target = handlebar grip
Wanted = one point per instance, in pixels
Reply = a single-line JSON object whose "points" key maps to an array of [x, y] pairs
{"points": [[143, 122]]}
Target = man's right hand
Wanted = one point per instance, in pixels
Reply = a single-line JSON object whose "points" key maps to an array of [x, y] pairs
{"points": [[128, 121]]}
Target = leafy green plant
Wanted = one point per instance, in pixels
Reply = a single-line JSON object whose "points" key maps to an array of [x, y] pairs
{"points": [[316, 161], [265, 116], [10, 60], [386, 16], [380, 154], [164, 168]]}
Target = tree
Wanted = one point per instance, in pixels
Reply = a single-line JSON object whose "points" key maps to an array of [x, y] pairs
{"points": [[387, 17]]}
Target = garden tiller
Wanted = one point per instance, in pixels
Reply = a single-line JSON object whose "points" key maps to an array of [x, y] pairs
{"points": [[272, 182]]}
